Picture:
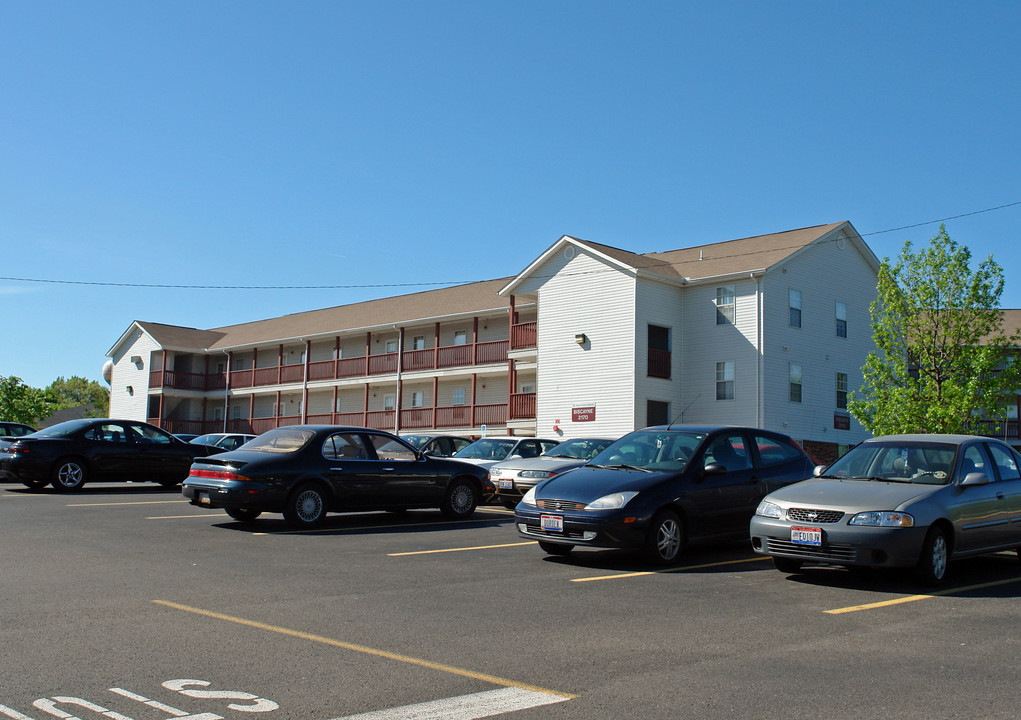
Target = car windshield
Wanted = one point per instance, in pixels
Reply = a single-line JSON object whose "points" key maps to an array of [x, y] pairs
{"points": [[416, 441], [651, 450], [582, 449], [63, 429], [206, 439], [928, 463], [487, 449], [281, 440]]}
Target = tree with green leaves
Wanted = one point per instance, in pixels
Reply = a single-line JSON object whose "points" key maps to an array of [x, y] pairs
{"points": [[20, 402], [943, 363], [78, 392]]}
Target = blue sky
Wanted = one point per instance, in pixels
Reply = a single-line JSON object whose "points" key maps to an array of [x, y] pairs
{"points": [[399, 146]]}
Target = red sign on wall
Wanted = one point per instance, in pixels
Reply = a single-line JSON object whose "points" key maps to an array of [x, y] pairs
{"points": [[583, 414], [841, 422]]}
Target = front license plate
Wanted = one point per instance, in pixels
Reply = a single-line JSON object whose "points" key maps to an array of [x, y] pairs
{"points": [[806, 535], [506, 484], [552, 523], [203, 498]]}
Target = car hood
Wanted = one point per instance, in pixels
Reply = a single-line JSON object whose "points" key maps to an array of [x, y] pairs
{"points": [[476, 461], [851, 494], [588, 483]]}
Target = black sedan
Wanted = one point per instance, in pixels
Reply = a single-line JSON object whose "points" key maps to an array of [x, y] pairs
{"points": [[305, 471], [661, 488], [69, 454]]}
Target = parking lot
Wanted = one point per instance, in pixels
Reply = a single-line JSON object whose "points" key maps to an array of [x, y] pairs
{"points": [[122, 601]]}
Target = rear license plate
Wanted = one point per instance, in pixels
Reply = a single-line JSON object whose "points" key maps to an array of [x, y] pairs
{"points": [[203, 498], [806, 536], [552, 523], [506, 484]]}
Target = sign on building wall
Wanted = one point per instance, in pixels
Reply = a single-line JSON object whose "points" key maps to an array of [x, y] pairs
{"points": [[583, 414]]}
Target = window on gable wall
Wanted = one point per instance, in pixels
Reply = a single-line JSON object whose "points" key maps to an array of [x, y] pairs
{"points": [[725, 380], [726, 305], [795, 382], [794, 303], [841, 318], [842, 390]]}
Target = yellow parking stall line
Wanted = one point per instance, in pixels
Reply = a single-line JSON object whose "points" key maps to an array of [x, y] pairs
{"points": [[461, 549], [363, 649], [130, 502], [622, 576], [916, 598]]}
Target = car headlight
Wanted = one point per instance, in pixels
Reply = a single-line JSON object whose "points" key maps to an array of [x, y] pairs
{"points": [[613, 501], [529, 498], [882, 518], [537, 474], [769, 510]]}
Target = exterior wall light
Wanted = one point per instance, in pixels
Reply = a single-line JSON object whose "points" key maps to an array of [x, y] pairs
{"points": [[580, 338]]}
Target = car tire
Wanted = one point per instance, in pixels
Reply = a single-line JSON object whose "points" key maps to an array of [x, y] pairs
{"points": [[306, 506], [787, 565], [556, 548], [935, 557], [243, 514], [69, 474], [665, 540], [461, 500]]}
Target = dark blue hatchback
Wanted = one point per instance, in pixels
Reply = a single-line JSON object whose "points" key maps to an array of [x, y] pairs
{"points": [[658, 489]]}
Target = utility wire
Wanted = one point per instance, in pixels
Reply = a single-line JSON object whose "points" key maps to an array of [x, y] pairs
{"points": [[447, 283]]}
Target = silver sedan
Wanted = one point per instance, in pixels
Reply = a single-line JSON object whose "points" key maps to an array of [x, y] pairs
{"points": [[912, 501]]}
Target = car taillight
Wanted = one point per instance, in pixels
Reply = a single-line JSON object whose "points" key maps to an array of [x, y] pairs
{"points": [[217, 474]]}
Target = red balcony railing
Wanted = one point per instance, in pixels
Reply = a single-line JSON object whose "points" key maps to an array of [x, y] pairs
{"points": [[523, 336], [522, 406]]}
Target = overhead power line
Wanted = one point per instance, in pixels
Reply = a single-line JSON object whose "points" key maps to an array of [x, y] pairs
{"points": [[168, 286]]}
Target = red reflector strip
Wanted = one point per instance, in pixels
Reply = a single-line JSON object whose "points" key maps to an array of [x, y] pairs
{"points": [[215, 474]]}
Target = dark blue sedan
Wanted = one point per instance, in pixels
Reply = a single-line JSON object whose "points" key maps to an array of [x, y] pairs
{"points": [[658, 489]]}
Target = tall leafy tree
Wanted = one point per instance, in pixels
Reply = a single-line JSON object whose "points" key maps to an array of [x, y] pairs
{"points": [[20, 402], [78, 392], [943, 362]]}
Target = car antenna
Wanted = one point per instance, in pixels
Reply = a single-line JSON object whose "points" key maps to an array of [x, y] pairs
{"points": [[681, 414]]}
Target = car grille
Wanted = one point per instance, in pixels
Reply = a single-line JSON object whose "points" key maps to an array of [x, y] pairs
{"points": [[834, 552], [814, 516], [536, 531], [559, 505]]}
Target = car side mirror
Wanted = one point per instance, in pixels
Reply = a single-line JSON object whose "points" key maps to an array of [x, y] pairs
{"points": [[715, 469], [818, 471], [514, 457], [975, 478]]}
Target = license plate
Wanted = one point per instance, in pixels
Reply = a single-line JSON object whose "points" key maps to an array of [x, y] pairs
{"points": [[806, 535], [203, 498], [552, 523], [506, 484]]}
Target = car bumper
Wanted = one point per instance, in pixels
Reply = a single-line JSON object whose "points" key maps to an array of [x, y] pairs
{"points": [[841, 544], [602, 529], [249, 495], [15, 468]]}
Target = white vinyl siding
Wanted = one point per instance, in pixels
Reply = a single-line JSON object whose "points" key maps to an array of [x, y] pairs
{"points": [[125, 374]]}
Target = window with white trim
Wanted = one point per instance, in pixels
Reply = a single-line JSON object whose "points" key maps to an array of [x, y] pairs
{"points": [[794, 307], [460, 337], [389, 402], [840, 312], [418, 343], [795, 382], [726, 305], [458, 398], [417, 398], [391, 346], [725, 380], [842, 390]]}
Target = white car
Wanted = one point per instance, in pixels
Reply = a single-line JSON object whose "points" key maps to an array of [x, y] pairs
{"points": [[513, 478], [224, 442], [488, 451]]}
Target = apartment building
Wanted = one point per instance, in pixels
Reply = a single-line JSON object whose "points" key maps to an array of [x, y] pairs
{"points": [[770, 331]]}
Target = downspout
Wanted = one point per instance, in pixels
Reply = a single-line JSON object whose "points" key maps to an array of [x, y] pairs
{"points": [[400, 358], [758, 352], [304, 383], [226, 391]]}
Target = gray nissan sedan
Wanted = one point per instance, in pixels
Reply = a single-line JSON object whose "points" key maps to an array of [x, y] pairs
{"points": [[914, 501]]}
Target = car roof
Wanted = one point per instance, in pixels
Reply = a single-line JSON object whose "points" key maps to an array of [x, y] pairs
{"points": [[931, 437]]}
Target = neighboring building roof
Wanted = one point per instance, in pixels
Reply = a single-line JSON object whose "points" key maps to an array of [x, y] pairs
{"points": [[174, 336]]}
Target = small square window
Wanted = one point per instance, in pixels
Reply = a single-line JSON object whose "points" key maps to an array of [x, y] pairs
{"points": [[391, 346], [458, 398], [460, 337], [418, 343], [417, 398], [389, 402]]}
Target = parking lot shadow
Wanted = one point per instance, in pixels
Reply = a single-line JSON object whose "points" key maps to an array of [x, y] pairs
{"points": [[733, 557], [410, 521], [99, 488]]}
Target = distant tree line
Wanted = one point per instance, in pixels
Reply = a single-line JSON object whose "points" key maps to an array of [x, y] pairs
{"points": [[25, 404]]}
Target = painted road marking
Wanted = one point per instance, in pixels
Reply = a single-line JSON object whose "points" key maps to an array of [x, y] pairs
{"points": [[462, 549], [916, 598], [466, 707], [131, 502], [493, 679], [622, 576]]}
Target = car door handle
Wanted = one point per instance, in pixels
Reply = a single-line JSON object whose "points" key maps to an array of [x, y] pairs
{"points": [[340, 469], [390, 469]]}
